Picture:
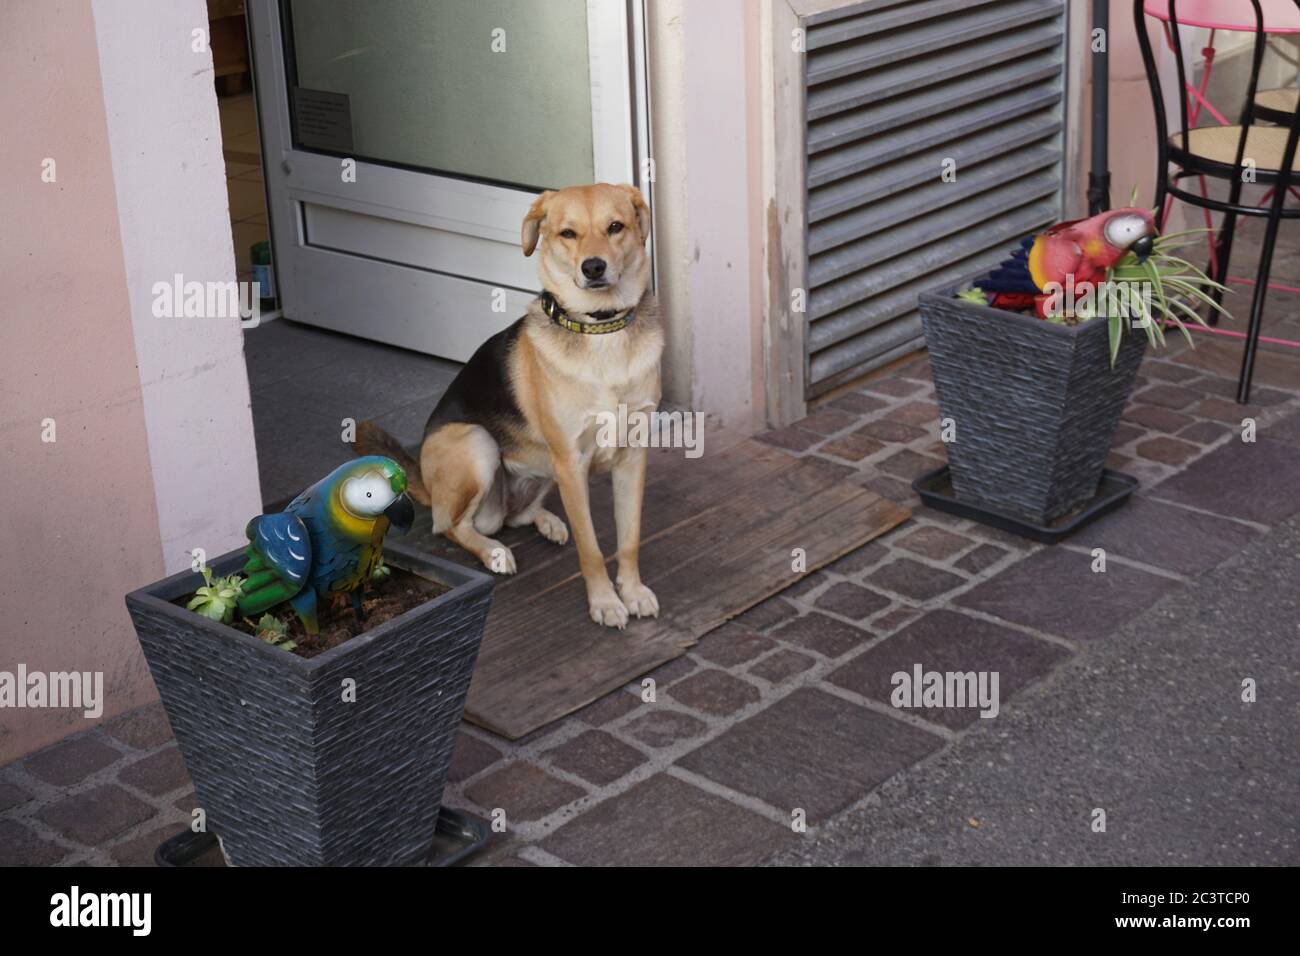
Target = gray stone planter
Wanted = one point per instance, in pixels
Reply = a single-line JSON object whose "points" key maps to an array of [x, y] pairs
{"points": [[287, 771], [1035, 404]]}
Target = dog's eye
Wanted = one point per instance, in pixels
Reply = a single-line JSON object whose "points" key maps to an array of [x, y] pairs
{"points": [[615, 228], [568, 234]]}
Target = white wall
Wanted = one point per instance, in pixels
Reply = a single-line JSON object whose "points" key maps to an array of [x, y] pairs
{"points": [[665, 28], [717, 183], [704, 92], [169, 175]]}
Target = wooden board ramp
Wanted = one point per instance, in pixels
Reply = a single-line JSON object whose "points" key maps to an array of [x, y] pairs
{"points": [[717, 538]]}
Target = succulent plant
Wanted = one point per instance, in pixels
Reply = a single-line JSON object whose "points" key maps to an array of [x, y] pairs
{"points": [[218, 597], [381, 573], [275, 632]]}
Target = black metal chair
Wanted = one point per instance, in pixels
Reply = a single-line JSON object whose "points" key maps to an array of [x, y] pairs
{"points": [[1267, 153]]}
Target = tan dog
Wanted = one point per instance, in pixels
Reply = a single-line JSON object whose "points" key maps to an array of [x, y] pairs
{"points": [[521, 415]]}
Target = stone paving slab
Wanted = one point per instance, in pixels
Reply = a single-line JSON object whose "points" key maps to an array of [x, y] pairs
{"points": [[664, 728], [732, 644], [71, 761], [143, 728], [981, 558], [825, 635], [1286, 429], [1254, 481], [1056, 591], [712, 691], [596, 757], [1167, 536], [1223, 359], [471, 756], [811, 750], [139, 851], [667, 822], [20, 845], [912, 579], [782, 666], [612, 706], [524, 792], [12, 795], [95, 816], [852, 600], [932, 542], [946, 641], [158, 773]]}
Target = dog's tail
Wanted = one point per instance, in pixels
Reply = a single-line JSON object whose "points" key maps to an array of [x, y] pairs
{"points": [[373, 440]]}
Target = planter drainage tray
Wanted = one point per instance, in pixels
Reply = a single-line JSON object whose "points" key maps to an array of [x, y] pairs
{"points": [[457, 837], [935, 489]]}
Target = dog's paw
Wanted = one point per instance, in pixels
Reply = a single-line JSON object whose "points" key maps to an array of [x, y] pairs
{"points": [[608, 610], [499, 559], [552, 528], [639, 599]]}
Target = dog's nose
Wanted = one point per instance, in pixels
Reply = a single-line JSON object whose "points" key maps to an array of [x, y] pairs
{"points": [[593, 268]]}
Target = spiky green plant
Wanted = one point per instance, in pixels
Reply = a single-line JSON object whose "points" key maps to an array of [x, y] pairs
{"points": [[217, 599], [972, 294], [1178, 290]]}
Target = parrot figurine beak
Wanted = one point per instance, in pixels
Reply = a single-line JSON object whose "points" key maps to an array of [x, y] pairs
{"points": [[400, 514], [1143, 248]]}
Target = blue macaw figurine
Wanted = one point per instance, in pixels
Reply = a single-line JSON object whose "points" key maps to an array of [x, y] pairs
{"points": [[328, 541]]}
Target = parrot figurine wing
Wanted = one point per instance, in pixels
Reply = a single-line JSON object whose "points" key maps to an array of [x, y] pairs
{"points": [[1041, 260], [279, 560], [1013, 275]]}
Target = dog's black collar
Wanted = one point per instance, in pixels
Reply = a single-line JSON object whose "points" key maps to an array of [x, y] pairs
{"points": [[606, 320]]}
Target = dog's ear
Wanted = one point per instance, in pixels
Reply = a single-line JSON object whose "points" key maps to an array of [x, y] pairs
{"points": [[642, 210], [533, 222]]}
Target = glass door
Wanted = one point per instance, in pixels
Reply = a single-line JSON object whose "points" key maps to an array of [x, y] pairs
{"points": [[404, 140]]}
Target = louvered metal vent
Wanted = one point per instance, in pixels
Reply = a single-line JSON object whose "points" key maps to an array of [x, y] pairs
{"points": [[893, 89]]}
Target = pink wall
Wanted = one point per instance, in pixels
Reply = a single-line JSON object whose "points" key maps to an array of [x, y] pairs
{"points": [[1132, 119], [170, 178], [78, 520]]}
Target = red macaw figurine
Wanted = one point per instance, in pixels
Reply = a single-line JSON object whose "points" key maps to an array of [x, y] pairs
{"points": [[1082, 248]]}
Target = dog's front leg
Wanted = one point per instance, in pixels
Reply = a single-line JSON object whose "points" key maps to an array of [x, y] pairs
{"points": [[628, 473], [602, 603]]}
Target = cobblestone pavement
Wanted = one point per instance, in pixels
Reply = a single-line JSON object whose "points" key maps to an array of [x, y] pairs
{"points": [[1148, 726], [787, 707]]}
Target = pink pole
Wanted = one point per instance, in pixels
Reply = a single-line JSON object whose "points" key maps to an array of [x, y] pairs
{"points": [[1278, 286], [1237, 335]]}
